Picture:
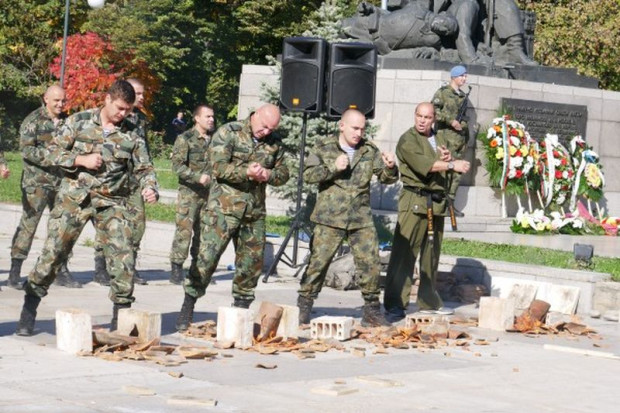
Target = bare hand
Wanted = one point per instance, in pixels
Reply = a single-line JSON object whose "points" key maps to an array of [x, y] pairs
{"points": [[444, 154], [264, 175], [204, 179], [149, 195], [461, 166], [90, 161], [4, 172], [254, 170], [341, 162], [456, 125], [388, 159]]}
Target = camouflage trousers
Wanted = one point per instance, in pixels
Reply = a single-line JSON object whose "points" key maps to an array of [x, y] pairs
{"points": [[66, 222], [189, 205], [248, 236], [137, 216], [34, 201], [324, 244], [410, 241], [456, 144]]}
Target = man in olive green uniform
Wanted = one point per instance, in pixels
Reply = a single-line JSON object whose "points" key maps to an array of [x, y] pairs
{"points": [[244, 156], [190, 163], [137, 122], [343, 167], [447, 102], [423, 160], [39, 183], [97, 155]]}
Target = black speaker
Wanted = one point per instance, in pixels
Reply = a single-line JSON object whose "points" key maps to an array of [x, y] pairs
{"points": [[351, 79], [302, 80]]}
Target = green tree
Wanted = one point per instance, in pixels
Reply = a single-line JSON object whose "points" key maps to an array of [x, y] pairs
{"points": [[583, 34]]}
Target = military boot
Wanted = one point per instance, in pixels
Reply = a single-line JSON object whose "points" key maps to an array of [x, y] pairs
{"points": [[515, 51], [25, 327], [242, 302], [176, 273], [64, 278], [137, 279], [372, 315], [114, 320], [101, 272], [14, 280], [187, 313], [305, 308]]}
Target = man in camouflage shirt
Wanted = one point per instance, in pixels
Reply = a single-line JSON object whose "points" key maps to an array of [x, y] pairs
{"points": [[190, 163], [343, 167], [447, 102], [137, 122], [97, 155], [244, 156], [39, 183]]}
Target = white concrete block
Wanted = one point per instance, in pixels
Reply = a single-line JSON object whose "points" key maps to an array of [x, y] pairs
{"points": [[523, 294], [74, 331], [562, 298], [339, 328], [428, 323], [147, 323], [496, 313], [289, 323], [235, 325]]}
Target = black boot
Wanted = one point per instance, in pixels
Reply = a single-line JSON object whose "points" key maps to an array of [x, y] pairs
{"points": [[65, 279], [115, 308], [372, 315], [305, 308], [25, 327], [187, 313], [242, 303], [516, 51], [14, 280], [136, 275], [101, 272], [176, 273]]}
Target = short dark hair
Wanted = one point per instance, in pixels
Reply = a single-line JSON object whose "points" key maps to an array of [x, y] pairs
{"points": [[199, 107], [122, 89]]}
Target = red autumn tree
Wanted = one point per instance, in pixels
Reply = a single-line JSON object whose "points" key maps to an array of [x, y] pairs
{"points": [[92, 65]]}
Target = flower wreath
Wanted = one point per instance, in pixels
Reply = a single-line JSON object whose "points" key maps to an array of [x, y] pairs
{"points": [[556, 169], [589, 179]]}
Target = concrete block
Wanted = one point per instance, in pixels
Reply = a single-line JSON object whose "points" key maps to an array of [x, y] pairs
{"points": [[523, 294], [436, 325], [289, 323], [339, 328], [496, 313], [74, 331], [562, 298], [147, 323], [235, 325]]}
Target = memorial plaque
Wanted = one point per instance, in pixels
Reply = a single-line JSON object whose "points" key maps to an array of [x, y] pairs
{"points": [[541, 118]]}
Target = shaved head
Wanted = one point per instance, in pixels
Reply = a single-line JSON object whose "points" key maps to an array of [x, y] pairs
{"points": [[352, 126], [138, 88], [265, 120], [54, 99]]}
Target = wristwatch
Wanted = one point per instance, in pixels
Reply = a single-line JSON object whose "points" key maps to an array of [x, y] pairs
{"points": [[450, 166]]}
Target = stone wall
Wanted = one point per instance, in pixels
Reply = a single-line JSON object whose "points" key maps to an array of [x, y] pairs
{"points": [[399, 91]]}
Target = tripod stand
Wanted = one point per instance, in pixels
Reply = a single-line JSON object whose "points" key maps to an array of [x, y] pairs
{"points": [[296, 225]]}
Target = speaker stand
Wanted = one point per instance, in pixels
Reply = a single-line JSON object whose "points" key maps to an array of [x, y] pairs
{"points": [[296, 225]]}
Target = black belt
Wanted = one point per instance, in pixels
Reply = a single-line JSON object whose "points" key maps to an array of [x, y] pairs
{"points": [[436, 196]]}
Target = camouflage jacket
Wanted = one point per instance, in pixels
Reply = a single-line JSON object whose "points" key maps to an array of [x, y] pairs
{"points": [[447, 103], [344, 196], [121, 150], [137, 122], [231, 151], [416, 157], [35, 137], [190, 160]]}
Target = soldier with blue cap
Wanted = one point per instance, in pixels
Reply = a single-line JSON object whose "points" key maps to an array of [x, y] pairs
{"points": [[447, 102]]}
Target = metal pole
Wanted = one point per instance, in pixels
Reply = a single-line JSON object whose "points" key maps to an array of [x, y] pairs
{"points": [[64, 46], [384, 4]]}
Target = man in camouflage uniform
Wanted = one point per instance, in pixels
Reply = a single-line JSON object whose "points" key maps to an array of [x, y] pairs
{"points": [[4, 167], [39, 183], [343, 167], [98, 155], [245, 156], [447, 102], [137, 122], [190, 163], [424, 161]]}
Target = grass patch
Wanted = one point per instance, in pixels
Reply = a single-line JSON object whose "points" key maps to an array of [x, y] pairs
{"points": [[527, 255], [10, 188], [166, 178]]}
